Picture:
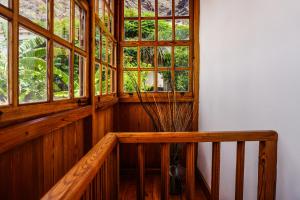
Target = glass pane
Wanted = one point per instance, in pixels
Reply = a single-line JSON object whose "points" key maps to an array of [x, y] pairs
{"points": [[131, 30], [113, 81], [182, 81], [108, 80], [103, 80], [164, 81], [79, 27], [130, 8], [130, 81], [147, 57], [101, 9], [79, 75], [182, 29], [165, 8], [32, 67], [4, 99], [62, 18], [130, 57], [106, 17], [97, 79], [103, 50], [148, 29], [181, 56], [148, 8], [111, 25], [109, 53], [61, 71], [4, 3], [97, 43], [164, 56], [165, 29], [35, 11], [147, 81], [181, 7]]}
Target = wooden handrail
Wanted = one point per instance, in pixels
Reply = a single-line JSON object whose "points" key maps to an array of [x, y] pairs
{"points": [[187, 137], [86, 174], [75, 182]]}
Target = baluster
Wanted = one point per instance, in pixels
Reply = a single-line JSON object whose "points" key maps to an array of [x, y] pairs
{"points": [[141, 172], [267, 170], [239, 175], [165, 164], [190, 171], [118, 170], [215, 179]]}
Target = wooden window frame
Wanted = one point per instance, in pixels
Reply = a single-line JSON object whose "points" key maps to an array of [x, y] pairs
{"points": [[14, 111], [109, 33], [193, 69]]}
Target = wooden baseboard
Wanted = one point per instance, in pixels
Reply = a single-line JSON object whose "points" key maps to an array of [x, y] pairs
{"points": [[203, 184]]}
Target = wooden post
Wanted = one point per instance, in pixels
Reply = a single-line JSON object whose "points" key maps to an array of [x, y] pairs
{"points": [[215, 179], [165, 164], [141, 172], [267, 168], [239, 177], [190, 171]]}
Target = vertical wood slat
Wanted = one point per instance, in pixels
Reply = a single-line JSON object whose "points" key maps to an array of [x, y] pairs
{"points": [[267, 170], [141, 172], [240, 164], [118, 170], [165, 163], [215, 179], [190, 171]]}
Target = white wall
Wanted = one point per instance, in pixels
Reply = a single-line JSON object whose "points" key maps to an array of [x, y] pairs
{"points": [[250, 79]]}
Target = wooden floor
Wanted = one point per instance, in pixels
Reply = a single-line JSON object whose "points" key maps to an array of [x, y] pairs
{"points": [[152, 188]]}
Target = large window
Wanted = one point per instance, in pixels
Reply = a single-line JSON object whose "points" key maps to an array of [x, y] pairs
{"points": [[156, 46], [105, 49], [43, 55]]}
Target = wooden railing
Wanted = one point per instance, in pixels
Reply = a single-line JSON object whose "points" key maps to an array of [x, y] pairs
{"points": [[88, 179]]}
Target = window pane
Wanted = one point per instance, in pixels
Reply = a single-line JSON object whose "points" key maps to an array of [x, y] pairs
{"points": [[147, 81], [131, 30], [130, 81], [101, 9], [108, 80], [109, 53], [182, 29], [103, 80], [79, 75], [181, 56], [103, 50], [182, 81], [164, 56], [97, 79], [106, 17], [147, 57], [4, 99], [130, 57], [130, 8], [62, 18], [111, 25], [97, 43], [79, 27], [165, 8], [4, 3], [113, 81], [32, 67], [148, 29], [148, 8], [165, 29], [61, 71], [181, 7], [164, 81], [35, 11]]}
